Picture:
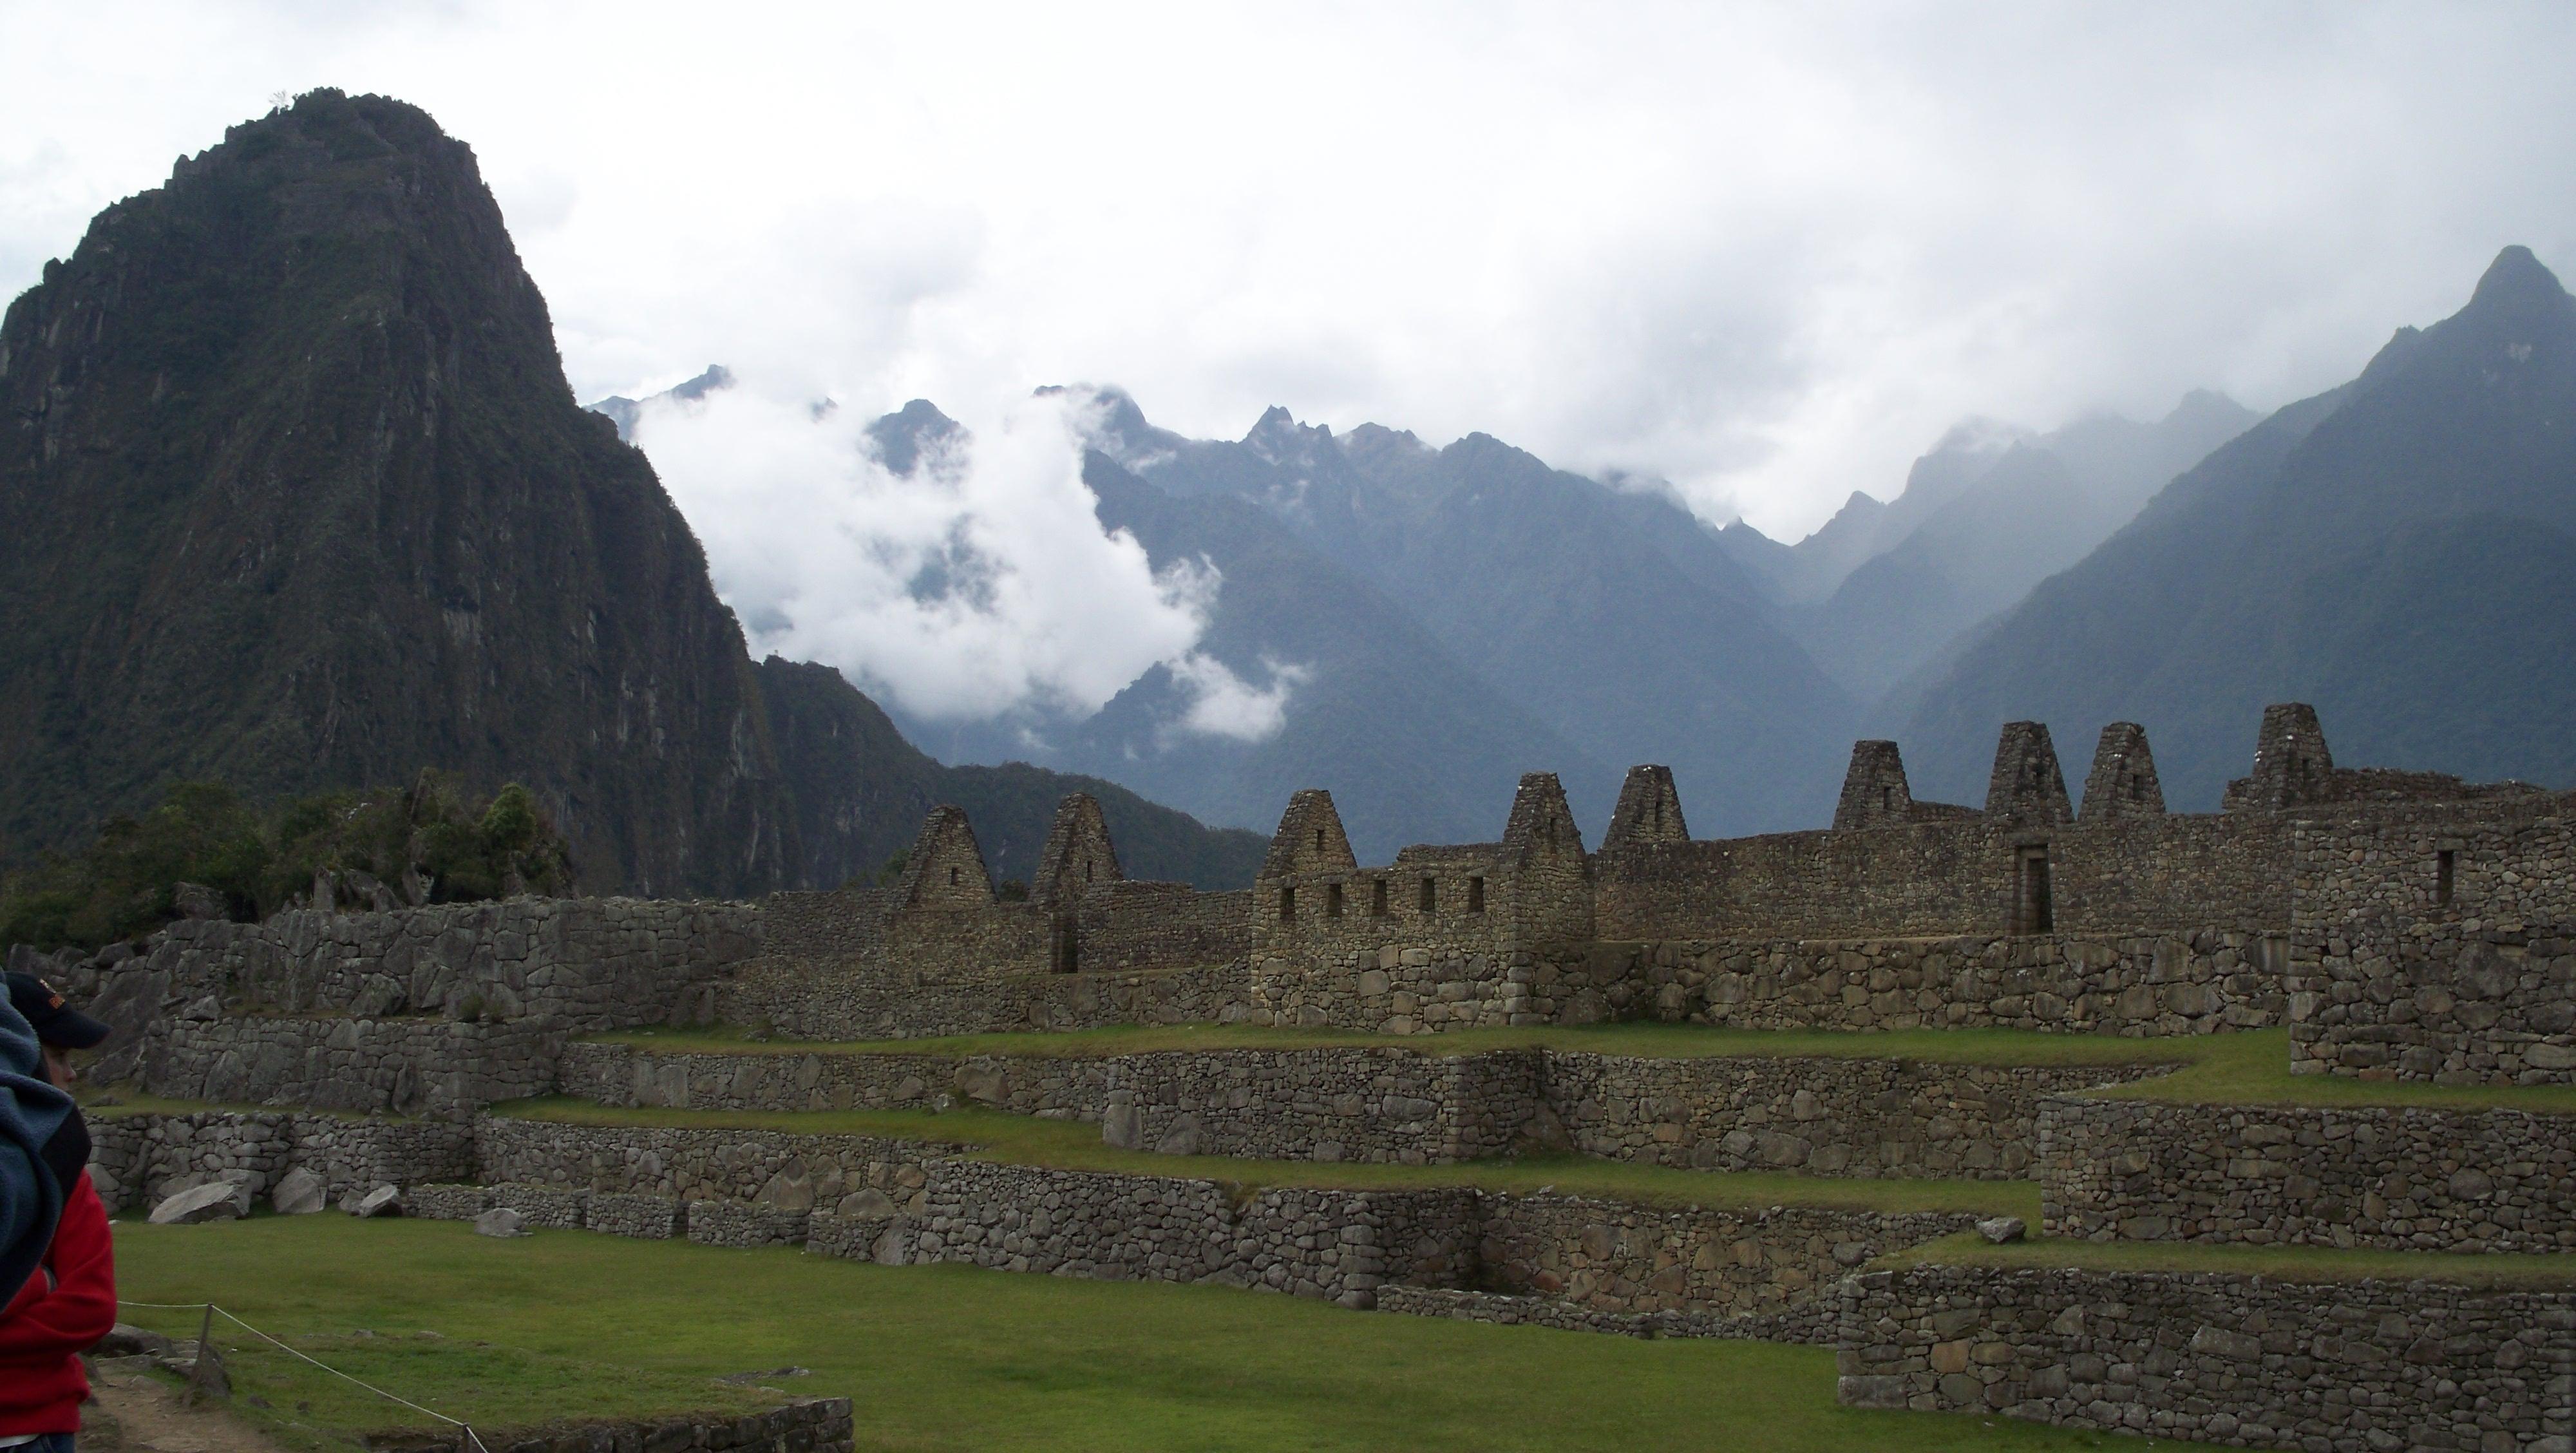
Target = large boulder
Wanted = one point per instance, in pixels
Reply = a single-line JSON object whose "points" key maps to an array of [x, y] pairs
{"points": [[501, 1221], [213, 1201], [299, 1193], [384, 1200]]}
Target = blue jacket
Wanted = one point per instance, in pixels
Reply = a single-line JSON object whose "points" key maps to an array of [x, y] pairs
{"points": [[31, 1110]]}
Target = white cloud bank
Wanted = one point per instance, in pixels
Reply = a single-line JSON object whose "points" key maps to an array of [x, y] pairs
{"points": [[974, 584]]}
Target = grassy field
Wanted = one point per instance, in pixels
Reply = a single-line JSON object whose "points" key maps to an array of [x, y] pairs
{"points": [[2283, 1263], [939, 1358], [2247, 1067], [1076, 1145]]}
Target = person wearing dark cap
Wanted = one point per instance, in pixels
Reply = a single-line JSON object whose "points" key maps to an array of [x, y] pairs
{"points": [[69, 1303]]}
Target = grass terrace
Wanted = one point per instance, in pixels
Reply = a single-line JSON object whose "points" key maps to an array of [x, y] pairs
{"points": [[2249, 1067], [566, 1324], [1076, 1145]]}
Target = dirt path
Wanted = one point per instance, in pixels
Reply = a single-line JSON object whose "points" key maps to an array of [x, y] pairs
{"points": [[140, 1414]]}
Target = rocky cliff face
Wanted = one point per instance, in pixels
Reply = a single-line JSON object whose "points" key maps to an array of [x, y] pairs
{"points": [[294, 494]]}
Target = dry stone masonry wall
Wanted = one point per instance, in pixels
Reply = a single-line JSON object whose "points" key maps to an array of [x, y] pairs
{"points": [[1815, 1115], [138, 1159], [2248, 1361], [2402, 1179], [2438, 942]]}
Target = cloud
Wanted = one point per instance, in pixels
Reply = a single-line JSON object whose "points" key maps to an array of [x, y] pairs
{"points": [[1225, 705], [1768, 252], [975, 584], [978, 583]]}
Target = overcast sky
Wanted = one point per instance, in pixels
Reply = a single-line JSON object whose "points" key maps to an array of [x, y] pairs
{"points": [[1767, 252]]}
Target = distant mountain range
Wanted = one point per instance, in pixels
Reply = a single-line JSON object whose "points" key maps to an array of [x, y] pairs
{"points": [[298, 499], [2400, 551], [1449, 617], [1984, 517]]}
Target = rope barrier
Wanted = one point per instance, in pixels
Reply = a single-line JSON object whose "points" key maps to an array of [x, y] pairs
{"points": [[459, 1423]]}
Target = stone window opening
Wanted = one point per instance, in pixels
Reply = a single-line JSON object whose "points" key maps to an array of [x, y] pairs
{"points": [[953, 879], [1086, 870], [2034, 907], [1319, 839], [1287, 902], [1377, 898], [1475, 895], [2446, 868], [1887, 799], [1430, 895], [1332, 900]]}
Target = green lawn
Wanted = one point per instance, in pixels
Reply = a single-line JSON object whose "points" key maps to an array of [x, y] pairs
{"points": [[1076, 1145], [2246, 1067], [2283, 1263], [565, 1323]]}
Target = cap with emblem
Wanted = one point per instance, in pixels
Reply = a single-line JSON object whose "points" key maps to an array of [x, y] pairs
{"points": [[56, 1023]]}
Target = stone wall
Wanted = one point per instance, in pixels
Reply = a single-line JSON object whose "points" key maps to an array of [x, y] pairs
{"points": [[2418, 1180], [1334, 1244], [1126, 927], [2184, 983], [2438, 942], [590, 963], [807, 1425], [137, 1159], [2249, 1361], [402, 1066], [778, 1169], [854, 1000], [1954, 876], [902, 1202], [1809, 1321], [1411, 989], [1814, 1115], [1614, 1256]]}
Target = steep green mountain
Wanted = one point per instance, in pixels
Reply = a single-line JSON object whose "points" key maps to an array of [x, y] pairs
{"points": [[295, 497], [2399, 551], [298, 498], [862, 791]]}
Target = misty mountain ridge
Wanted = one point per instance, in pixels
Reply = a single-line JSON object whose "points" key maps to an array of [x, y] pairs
{"points": [[2401, 551], [2004, 514], [1442, 618]]}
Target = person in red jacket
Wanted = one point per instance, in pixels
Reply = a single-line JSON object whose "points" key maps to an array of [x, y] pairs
{"points": [[68, 1305]]}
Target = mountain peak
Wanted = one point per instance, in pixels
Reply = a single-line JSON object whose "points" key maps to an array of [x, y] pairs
{"points": [[2516, 281]]}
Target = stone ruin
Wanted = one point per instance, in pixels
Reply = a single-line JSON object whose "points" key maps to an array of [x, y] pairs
{"points": [[2399, 926]]}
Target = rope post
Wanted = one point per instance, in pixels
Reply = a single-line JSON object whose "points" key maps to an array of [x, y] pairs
{"points": [[206, 1380]]}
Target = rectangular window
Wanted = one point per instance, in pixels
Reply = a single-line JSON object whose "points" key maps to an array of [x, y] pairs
{"points": [[1287, 902], [2446, 867], [1377, 898], [1332, 900], [1430, 895], [1475, 895], [2033, 909]]}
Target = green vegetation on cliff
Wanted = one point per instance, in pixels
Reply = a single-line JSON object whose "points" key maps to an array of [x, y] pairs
{"points": [[428, 843]]}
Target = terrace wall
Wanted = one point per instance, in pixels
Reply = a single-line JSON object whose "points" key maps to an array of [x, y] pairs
{"points": [[2415, 1180], [2249, 1361]]}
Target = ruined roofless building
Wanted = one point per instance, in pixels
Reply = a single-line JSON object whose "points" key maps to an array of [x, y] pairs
{"points": [[2026, 911]]}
